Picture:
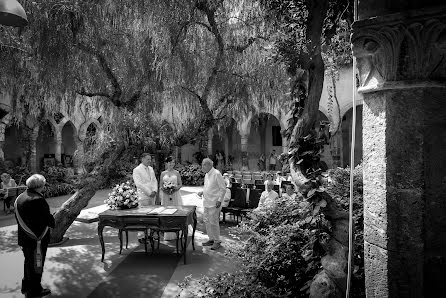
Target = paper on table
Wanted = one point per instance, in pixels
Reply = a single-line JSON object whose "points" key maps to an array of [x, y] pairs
{"points": [[157, 210], [168, 211]]}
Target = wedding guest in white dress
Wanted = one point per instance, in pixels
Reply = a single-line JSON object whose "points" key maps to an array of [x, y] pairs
{"points": [[170, 185]]}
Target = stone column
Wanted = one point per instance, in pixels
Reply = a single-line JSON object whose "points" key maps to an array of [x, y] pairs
{"points": [[401, 64], [2, 140], [284, 145], [244, 142], [33, 162], [210, 137], [78, 157], [226, 148], [244, 152], [58, 139]]}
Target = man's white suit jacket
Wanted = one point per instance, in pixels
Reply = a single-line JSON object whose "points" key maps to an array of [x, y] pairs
{"points": [[145, 180]]}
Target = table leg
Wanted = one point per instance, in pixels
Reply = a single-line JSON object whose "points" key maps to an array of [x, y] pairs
{"points": [[185, 232], [101, 239], [126, 239], [193, 230], [178, 236], [120, 240]]}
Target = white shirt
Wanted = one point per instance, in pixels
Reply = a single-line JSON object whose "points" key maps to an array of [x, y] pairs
{"points": [[214, 188], [145, 180], [273, 159], [287, 196], [267, 198]]}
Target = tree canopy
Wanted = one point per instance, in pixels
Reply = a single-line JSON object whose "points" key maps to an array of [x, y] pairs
{"points": [[203, 59]]}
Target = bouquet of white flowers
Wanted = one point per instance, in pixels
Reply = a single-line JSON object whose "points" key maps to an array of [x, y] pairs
{"points": [[123, 196], [169, 187]]}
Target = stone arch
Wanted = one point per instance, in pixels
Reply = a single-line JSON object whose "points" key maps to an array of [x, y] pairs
{"points": [[46, 143], [348, 105], [89, 136], [347, 135], [69, 145], [249, 122], [15, 145], [82, 132], [264, 136]]}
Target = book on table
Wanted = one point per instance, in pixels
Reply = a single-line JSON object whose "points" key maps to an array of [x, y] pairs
{"points": [[163, 210]]}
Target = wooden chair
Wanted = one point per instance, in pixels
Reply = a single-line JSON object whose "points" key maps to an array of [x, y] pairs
{"points": [[237, 204], [173, 228], [148, 224]]}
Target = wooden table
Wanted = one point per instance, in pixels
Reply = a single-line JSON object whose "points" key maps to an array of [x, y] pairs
{"points": [[119, 219]]}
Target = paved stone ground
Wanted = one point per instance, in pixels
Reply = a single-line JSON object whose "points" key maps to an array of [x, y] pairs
{"points": [[74, 269]]}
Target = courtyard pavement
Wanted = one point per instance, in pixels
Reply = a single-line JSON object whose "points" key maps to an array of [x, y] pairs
{"points": [[74, 269]]}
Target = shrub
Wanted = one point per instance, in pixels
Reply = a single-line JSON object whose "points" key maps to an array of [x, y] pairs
{"points": [[60, 181], [191, 174], [281, 247]]}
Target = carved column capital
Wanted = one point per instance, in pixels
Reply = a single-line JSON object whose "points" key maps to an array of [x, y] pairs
{"points": [[401, 51]]}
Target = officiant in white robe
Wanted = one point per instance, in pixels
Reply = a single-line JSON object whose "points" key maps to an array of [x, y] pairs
{"points": [[145, 181]]}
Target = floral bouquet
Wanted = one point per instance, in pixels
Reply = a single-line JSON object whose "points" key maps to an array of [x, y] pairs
{"points": [[123, 196], [169, 187]]}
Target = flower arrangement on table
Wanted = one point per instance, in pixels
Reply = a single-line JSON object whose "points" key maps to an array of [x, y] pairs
{"points": [[123, 196], [169, 187]]}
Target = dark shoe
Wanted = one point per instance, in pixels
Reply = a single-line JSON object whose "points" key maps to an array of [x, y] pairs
{"points": [[208, 243], [216, 246], [42, 293]]}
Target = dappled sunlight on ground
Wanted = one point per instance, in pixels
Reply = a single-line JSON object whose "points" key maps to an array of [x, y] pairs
{"points": [[74, 269]]}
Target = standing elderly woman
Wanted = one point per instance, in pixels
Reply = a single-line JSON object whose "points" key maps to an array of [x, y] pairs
{"points": [[34, 220], [7, 182]]}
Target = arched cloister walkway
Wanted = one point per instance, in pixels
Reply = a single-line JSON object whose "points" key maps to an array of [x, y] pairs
{"points": [[68, 146], [46, 145]]}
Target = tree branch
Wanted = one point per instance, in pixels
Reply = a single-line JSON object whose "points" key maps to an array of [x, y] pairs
{"points": [[192, 92], [241, 48], [93, 94], [117, 91]]}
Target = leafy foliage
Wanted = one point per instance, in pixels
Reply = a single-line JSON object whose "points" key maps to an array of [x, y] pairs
{"points": [[191, 174], [59, 181], [339, 189], [280, 247]]}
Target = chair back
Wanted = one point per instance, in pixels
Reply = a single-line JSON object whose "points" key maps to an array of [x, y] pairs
{"points": [[254, 198], [260, 187], [238, 196]]}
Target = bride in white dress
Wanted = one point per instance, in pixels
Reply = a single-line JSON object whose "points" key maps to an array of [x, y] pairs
{"points": [[173, 197]]}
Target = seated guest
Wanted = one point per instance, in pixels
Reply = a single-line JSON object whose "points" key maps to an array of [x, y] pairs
{"points": [[227, 197], [289, 192], [268, 197], [268, 177], [6, 183]]}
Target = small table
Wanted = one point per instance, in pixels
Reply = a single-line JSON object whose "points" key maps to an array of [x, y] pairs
{"points": [[119, 219], [12, 191]]}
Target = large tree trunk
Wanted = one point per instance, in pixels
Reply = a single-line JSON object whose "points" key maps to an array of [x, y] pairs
{"points": [[331, 281], [69, 211]]}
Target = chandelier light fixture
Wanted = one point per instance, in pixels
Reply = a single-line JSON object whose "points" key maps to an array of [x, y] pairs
{"points": [[12, 14]]}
